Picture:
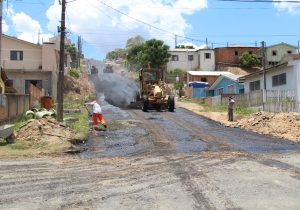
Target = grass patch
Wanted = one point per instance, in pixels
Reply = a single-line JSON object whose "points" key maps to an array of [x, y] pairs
{"points": [[31, 148], [223, 108], [80, 126]]}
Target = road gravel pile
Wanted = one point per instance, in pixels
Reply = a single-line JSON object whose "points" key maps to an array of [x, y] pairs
{"points": [[285, 125], [45, 129]]}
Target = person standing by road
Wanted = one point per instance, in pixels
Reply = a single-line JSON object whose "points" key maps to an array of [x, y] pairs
{"points": [[230, 108], [97, 114]]}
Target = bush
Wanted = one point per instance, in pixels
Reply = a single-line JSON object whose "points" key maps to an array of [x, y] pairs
{"points": [[74, 73], [249, 60], [178, 85], [176, 71]]}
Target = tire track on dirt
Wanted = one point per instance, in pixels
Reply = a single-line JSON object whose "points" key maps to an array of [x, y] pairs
{"points": [[180, 168], [286, 168]]}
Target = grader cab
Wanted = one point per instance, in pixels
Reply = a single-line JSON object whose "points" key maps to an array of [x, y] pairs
{"points": [[154, 91]]}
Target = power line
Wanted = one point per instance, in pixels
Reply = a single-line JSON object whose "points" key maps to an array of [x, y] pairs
{"points": [[150, 25], [265, 1]]}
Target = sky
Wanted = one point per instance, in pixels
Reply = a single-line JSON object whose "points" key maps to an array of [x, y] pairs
{"points": [[105, 25]]}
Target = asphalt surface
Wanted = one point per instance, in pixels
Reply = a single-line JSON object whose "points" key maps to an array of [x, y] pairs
{"points": [[159, 160]]}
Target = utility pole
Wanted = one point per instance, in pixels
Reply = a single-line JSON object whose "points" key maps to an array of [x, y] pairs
{"points": [[78, 51], [264, 63], [175, 40], [1, 10], [206, 42], [298, 46], [39, 35], [60, 82]]}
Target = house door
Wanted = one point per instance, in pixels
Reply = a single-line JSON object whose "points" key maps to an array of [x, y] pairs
{"points": [[37, 83]]}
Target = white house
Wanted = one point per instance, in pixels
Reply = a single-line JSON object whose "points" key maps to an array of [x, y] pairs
{"points": [[206, 59], [186, 59], [192, 59], [284, 76], [275, 53]]}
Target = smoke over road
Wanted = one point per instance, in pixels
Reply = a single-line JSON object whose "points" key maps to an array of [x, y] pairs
{"points": [[118, 89]]}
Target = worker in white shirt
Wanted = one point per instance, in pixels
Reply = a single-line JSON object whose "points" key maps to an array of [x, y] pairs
{"points": [[230, 108], [97, 114]]}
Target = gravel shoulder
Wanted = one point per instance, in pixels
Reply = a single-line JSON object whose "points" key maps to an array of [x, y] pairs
{"points": [[282, 125]]}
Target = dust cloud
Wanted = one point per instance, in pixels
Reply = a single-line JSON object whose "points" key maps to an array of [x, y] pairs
{"points": [[117, 88]]}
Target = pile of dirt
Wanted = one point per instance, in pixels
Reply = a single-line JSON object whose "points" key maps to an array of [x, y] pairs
{"points": [[284, 125], [80, 86], [45, 129]]}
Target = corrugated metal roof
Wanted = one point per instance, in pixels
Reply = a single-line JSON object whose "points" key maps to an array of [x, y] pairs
{"points": [[209, 73]]}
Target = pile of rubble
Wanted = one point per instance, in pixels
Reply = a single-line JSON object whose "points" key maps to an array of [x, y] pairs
{"points": [[46, 129], [284, 125]]}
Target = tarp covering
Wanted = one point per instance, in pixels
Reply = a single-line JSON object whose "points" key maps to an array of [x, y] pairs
{"points": [[196, 84]]}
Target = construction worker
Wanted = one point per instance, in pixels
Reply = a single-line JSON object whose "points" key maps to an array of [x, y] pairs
{"points": [[97, 114], [230, 108]]}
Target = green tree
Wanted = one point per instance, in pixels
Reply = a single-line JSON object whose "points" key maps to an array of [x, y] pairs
{"points": [[135, 41], [154, 54], [116, 54], [249, 60], [72, 50], [177, 71], [133, 57]]}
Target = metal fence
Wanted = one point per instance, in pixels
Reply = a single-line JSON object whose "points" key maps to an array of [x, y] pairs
{"points": [[13, 105]]}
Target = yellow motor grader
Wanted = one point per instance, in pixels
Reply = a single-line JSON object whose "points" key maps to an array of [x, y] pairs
{"points": [[154, 92]]}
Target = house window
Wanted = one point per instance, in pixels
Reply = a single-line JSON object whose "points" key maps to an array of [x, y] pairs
{"points": [[175, 58], [190, 57], [16, 55], [289, 52], [207, 56], [273, 63], [204, 79], [231, 88], [274, 52], [254, 85], [220, 91], [236, 53], [279, 79]]}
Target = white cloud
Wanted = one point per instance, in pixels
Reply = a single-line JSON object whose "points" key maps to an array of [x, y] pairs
{"points": [[290, 7], [27, 28], [4, 27], [108, 29], [24, 23]]}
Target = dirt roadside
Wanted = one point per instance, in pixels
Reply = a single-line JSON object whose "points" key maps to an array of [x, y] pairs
{"points": [[283, 125]]}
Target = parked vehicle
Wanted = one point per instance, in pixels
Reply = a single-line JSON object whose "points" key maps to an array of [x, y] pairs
{"points": [[108, 69]]}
